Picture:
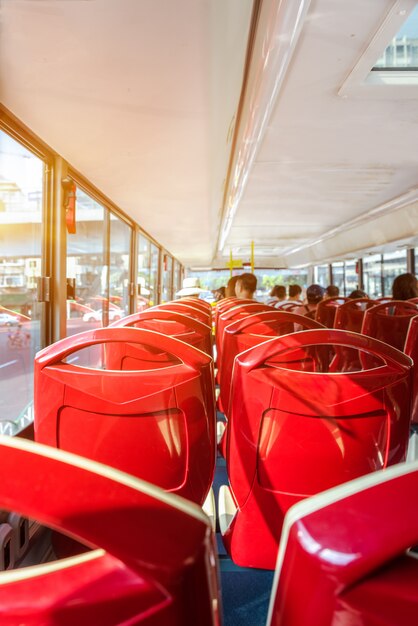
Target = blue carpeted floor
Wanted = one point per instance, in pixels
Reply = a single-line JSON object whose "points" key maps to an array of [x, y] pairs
{"points": [[245, 592]]}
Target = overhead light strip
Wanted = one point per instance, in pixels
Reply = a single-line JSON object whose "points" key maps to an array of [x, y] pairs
{"points": [[407, 198], [276, 26]]}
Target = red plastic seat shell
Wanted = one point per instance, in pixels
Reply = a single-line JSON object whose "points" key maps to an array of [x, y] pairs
{"points": [[358, 572], [186, 308], [157, 424], [177, 325], [251, 331], [155, 550], [327, 308], [389, 321], [242, 309], [350, 315], [294, 433]]}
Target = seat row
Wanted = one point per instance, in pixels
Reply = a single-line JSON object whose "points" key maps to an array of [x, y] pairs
{"points": [[150, 412], [151, 556]]}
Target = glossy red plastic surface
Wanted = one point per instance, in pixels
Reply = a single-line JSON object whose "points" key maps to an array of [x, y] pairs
{"points": [[326, 310], [197, 302], [175, 325], [349, 316], [293, 433], [228, 303], [344, 558], [151, 412], [186, 308], [241, 310], [389, 321], [155, 551], [411, 349], [251, 331]]}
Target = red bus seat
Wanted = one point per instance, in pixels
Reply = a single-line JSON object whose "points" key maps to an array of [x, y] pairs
{"points": [[389, 321], [151, 556], [327, 308], [186, 308], [250, 331], [411, 349], [350, 316], [197, 302], [242, 309], [226, 304], [175, 325], [157, 423], [344, 556], [294, 433]]}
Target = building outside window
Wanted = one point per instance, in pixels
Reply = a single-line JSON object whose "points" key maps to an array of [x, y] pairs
{"points": [[394, 264], [372, 275], [21, 265]]}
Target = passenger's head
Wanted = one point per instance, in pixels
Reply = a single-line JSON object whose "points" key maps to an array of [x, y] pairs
{"points": [[314, 294], [219, 293], [278, 291], [332, 291], [245, 286], [294, 292], [230, 287], [358, 293], [404, 287]]}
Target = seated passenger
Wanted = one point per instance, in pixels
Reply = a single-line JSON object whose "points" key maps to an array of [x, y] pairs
{"points": [[332, 291], [358, 293], [230, 287], [219, 294], [295, 293], [314, 295], [404, 287], [277, 295], [191, 288], [245, 286]]}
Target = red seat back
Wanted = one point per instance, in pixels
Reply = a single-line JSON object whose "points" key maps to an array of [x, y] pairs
{"points": [[326, 310], [250, 331], [175, 325], [226, 304], [349, 566], [242, 309], [150, 412], [411, 349], [349, 316], [293, 433], [389, 321], [186, 308], [197, 302], [151, 551]]}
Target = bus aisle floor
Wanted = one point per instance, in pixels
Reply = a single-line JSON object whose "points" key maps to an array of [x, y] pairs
{"points": [[245, 591]]}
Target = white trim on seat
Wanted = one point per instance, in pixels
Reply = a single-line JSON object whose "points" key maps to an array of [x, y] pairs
{"points": [[110, 473], [226, 508], [209, 508], [220, 429], [323, 499], [412, 448]]}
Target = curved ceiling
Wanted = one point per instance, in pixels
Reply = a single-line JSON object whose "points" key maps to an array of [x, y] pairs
{"points": [[154, 103]]}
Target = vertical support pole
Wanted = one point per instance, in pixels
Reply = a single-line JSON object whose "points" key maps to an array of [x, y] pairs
{"points": [[230, 262], [133, 277], [252, 257], [58, 304]]}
